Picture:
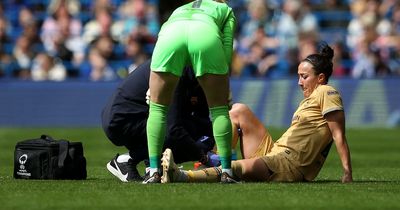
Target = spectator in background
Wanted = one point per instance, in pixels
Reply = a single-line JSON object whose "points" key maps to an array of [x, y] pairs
{"points": [[337, 7], [105, 45], [364, 66], [364, 33], [386, 8], [256, 48], [45, 67], [5, 47], [307, 46], [25, 17], [377, 19], [3, 16], [342, 63], [355, 28], [99, 69], [252, 61], [135, 53], [365, 18], [103, 4], [368, 62], [23, 55], [34, 5], [388, 40], [259, 16], [27, 45], [29, 26], [258, 62], [73, 6], [61, 33], [138, 19], [295, 20], [101, 25]]}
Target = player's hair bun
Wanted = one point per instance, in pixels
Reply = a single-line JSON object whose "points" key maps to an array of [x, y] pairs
{"points": [[326, 51]]}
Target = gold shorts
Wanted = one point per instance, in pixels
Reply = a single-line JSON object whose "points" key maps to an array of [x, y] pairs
{"points": [[281, 168], [265, 146]]}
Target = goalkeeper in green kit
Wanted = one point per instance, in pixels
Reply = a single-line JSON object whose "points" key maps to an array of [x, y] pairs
{"points": [[198, 34]]}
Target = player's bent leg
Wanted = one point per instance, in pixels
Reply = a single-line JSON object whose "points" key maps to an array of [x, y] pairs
{"points": [[252, 129]]}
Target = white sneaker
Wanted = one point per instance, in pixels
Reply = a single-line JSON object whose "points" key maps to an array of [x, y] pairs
{"points": [[121, 166]]}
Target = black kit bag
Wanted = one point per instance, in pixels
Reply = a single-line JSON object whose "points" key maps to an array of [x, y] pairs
{"points": [[46, 158]]}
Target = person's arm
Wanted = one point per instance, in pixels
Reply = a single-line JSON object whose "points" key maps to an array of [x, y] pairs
{"points": [[336, 123]]}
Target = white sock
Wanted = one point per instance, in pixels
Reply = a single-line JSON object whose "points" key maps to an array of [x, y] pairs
{"points": [[123, 158], [228, 171], [153, 170]]}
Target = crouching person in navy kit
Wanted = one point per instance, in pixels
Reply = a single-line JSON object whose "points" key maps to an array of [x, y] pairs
{"points": [[124, 118]]}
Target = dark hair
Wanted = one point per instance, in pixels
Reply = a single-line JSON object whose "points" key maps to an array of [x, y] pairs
{"points": [[322, 61]]}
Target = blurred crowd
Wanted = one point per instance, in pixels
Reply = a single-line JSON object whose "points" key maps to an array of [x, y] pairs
{"points": [[103, 40]]}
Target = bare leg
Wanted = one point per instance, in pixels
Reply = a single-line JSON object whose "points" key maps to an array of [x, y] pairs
{"points": [[216, 89], [253, 130], [162, 86]]}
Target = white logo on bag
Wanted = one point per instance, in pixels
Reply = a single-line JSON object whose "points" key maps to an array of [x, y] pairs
{"points": [[23, 159]]}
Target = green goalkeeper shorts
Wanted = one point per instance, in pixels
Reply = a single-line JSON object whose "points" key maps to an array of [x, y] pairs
{"points": [[189, 43]]}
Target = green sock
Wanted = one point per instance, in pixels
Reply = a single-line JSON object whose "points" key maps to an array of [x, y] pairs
{"points": [[222, 129], [156, 126]]}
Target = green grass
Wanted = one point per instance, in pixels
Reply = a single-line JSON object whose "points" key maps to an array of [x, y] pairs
{"points": [[376, 172]]}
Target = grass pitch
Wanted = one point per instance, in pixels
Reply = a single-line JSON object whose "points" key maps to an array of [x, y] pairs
{"points": [[376, 172]]}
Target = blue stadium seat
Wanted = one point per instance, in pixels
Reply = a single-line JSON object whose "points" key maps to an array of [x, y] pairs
{"points": [[333, 15], [333, 34], [85, 16]]}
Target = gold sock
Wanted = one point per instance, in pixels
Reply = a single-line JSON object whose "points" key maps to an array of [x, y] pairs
{"points": [[205, 175]]}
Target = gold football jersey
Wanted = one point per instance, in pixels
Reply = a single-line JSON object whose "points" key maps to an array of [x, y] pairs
{"points": [[308, 140]]}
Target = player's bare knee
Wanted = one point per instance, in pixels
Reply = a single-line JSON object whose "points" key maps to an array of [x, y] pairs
{"points": [[263, 172], [237, 110]]}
